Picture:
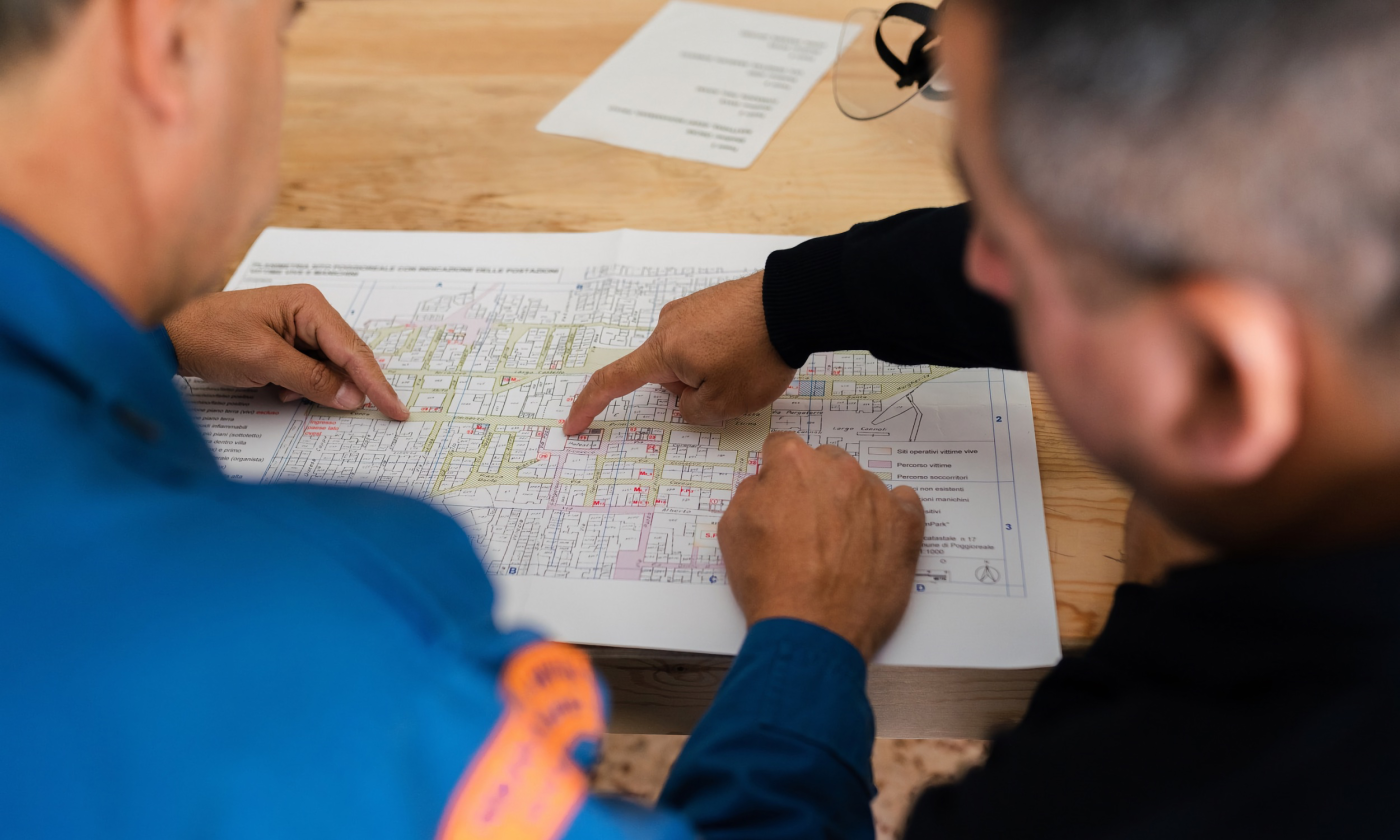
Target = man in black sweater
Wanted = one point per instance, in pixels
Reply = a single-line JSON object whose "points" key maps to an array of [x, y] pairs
{"points": [[1187, 222]]}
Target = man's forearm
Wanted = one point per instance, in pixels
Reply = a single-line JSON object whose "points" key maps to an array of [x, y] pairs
{"points": [[895, 288], [784, 752]]}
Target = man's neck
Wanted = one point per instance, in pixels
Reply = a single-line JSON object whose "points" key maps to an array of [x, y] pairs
{"points": [[1347, 467], [66, 175]]}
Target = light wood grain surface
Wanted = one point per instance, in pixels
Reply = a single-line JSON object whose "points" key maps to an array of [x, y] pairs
{"points": [[420, 115]]}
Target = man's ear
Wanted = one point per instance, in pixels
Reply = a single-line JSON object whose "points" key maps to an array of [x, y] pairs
{"points": [[1243, 357], [156, 40]]}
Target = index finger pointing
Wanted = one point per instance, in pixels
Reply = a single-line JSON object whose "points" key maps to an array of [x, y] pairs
{"points": [[343, 347], [623, 376]]}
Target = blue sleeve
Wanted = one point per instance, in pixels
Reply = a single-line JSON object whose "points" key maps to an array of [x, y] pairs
{"points": [[161, 340], [784, 751]]}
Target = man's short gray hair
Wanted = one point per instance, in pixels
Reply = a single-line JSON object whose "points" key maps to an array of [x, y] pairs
{"points": [[30, 26], [1256, 136]]}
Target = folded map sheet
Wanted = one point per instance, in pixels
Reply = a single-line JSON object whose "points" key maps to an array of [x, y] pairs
{"points": [[610, 537]]}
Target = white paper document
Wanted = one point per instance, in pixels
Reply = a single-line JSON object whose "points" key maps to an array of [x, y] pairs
{"points": [[701, 82], [610, 537]]}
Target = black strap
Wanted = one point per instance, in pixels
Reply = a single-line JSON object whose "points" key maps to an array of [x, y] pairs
{"points": [[919, 68]]}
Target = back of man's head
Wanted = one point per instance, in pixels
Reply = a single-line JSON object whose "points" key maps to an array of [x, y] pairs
{"points": [[139, 138], [1194, 208], [1255, 136]]}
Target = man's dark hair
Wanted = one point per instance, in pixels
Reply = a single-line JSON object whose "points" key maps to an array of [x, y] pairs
{"points": [[1259, 136], [30, 26]]}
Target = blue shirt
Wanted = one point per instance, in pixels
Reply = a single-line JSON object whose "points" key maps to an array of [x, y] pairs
{"points": [[187, 656]]}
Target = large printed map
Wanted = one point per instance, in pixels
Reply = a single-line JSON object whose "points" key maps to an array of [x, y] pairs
{"points": [[489, 358]]}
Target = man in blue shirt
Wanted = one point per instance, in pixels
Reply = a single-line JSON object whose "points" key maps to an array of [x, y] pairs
{"points": [[186, 656]]}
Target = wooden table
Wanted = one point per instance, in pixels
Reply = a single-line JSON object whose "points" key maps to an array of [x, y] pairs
{"points": [[420, 114]]}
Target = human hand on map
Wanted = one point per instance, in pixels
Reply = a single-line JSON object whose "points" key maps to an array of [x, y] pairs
{"points": [[813, 536], [710, 349], [287, 336]]}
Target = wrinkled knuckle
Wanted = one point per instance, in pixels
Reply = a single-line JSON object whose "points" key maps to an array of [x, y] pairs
{"points": [[598, 381], [653, 352], [312, 298], [321, 378]]}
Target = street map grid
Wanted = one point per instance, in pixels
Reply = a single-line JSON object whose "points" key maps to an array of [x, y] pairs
{"points": [[488, 359]]}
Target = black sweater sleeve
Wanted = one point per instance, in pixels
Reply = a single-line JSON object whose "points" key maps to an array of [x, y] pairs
{"points": [[895, 288]]}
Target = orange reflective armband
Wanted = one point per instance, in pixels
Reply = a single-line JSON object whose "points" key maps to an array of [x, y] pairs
{"points": [[523, 783]]}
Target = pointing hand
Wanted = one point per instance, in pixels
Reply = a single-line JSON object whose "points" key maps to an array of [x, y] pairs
{"points": [[281, 335], [711, 349]]}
